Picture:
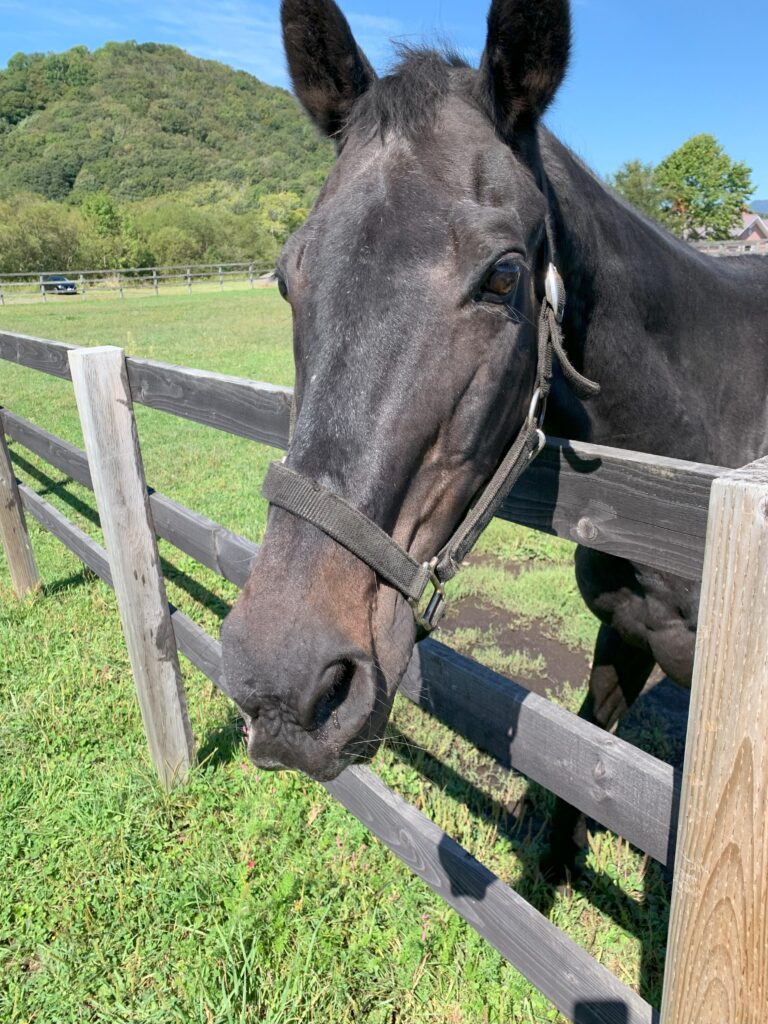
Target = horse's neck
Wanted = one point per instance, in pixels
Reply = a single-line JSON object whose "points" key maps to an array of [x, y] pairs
{"points": [[668, 332]]}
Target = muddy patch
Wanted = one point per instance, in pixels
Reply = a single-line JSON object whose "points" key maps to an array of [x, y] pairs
{"points": [[656, 723], [563, 664]]}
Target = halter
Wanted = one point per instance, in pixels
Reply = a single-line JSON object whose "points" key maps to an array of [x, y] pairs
{"points": [[348, 526]]}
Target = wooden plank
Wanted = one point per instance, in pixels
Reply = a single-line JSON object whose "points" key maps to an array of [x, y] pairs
{"points": [[36, 353], [625, 789], [78, 542], [260, 412], [109, 429], [717, 953], [59, 453], [221, 550], [201, 649], [561, 970], [13, 529], [647, 508]]}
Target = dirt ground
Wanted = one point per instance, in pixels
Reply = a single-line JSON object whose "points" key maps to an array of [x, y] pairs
{"points": [[656, 723]]}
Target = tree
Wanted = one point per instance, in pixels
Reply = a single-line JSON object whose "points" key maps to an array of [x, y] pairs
{"points": [[280, 213], [37, 235], [705, 191], [636, 182]]}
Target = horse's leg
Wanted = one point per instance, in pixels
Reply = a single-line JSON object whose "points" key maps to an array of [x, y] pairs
{"points": [[619, 672]]}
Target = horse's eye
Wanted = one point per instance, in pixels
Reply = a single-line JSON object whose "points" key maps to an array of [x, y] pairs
{"points": [[282, 287], [501, 281]]}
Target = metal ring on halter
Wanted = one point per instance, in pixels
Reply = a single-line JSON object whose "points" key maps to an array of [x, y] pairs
{"points": [[536, 409]]}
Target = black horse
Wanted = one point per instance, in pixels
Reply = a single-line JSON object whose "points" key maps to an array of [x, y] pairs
{"points": [[416, 285]]}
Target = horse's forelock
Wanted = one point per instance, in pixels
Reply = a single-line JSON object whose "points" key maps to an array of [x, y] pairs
{"points": [[407, 100]]}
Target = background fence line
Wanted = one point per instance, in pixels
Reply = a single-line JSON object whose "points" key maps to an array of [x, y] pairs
{"points": [[116, 282], [29, 286]]}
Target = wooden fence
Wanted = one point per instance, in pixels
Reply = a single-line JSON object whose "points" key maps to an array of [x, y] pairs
{"points": [[733, 247], [117, 282], [694, 520]]}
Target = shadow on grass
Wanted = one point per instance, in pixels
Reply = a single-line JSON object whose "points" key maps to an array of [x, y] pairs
{"points": [[77, 579], [524, 826], [60, 488], [222, 744]]}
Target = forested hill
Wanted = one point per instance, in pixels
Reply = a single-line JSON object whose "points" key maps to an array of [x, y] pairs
{"points": [[136, 120]]}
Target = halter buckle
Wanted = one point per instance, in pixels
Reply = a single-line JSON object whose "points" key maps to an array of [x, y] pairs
{"points": [[436, 605]]}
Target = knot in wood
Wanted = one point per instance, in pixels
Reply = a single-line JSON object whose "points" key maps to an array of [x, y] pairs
{"points": [[586, 529]]}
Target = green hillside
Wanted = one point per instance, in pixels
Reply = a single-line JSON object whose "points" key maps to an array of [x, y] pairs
{"points": [[143, 119], [139, 154]]}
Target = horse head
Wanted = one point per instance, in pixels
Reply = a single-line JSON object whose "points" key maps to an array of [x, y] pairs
{"points": [[415, 287]]}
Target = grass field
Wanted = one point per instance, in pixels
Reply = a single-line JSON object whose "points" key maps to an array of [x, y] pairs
{"points": [[247, 896]]}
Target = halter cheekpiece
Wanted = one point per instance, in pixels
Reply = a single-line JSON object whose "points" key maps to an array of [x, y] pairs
{"points": [[348, 526]]}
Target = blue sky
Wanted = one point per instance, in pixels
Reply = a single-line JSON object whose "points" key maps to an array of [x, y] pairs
{"points": [[645, 75]]}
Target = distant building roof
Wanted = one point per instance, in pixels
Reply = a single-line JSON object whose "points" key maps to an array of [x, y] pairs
{"points": [[753, 228]]}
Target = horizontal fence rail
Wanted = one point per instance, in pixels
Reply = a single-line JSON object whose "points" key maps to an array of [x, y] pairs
{"points": [[648, 508], [259, 412]]}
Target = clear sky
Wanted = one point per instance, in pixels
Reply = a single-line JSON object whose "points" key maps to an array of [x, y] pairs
{"points": [[645, 76]]}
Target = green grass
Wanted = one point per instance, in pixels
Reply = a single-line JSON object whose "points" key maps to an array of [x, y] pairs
{"points": [[246, 896]]}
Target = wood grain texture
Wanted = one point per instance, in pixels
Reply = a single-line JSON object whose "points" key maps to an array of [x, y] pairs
{"points": [[221, 550], [13, 529], [59, 453], [36, 353], [560, 969], [717, 953], [260, 412], [629, 791], [109, 429], [646, 508]]}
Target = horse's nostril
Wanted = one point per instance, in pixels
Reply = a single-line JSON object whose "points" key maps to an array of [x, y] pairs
{"points": [[343, 673]]}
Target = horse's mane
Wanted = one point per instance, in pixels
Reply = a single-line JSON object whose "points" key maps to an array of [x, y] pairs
{"points": [[406, 100]]}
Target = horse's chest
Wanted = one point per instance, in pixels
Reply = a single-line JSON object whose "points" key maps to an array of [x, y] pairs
{"points": [[647, 608]]}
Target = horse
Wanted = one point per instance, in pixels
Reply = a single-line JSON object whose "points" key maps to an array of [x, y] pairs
{"points": [[440, 243]]}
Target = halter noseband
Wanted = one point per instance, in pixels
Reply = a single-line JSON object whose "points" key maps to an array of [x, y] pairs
{"points": [[348, 526]]}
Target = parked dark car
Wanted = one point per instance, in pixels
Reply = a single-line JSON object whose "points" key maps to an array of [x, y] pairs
{"points": [[59, 284]]}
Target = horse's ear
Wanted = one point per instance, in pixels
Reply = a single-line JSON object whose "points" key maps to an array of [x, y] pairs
{"points": [[525, 58], [328, 69]]}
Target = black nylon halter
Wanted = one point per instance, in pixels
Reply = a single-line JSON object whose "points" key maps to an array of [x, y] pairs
{"points": [[348, 526]]}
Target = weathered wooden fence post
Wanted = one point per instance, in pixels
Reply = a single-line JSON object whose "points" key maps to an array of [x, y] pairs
{"points": [[104, 402], [154, 279], [250, 274], [717, 953], [189, 280], [42, 289], [13, 528], [221, 279]]}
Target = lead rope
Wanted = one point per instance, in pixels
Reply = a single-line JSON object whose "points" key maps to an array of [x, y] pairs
{"points": [[351, 528]]}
